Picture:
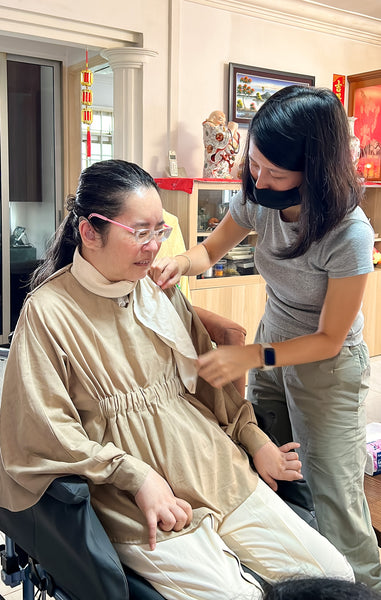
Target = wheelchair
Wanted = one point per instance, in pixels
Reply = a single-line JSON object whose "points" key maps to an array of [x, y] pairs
{"points": [[59, 547]]}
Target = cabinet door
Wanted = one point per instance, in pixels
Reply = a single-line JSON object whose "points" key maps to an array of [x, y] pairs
{"points": [[372, 313], [371, 308], [212, 203], [244, 304]]}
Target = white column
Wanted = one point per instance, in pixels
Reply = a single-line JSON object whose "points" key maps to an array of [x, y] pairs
{"points": [[127, 66]]}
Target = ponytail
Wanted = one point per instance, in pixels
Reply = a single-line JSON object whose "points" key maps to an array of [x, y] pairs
{"points": [[61, 248]]}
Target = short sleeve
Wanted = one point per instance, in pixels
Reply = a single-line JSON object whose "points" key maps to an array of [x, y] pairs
{"points": [[348, 249], [243, 213]]}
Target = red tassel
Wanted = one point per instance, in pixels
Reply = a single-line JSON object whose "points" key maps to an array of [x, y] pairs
{"points": [[88, 143]]}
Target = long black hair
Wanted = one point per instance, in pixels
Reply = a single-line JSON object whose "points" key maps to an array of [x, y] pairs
{"points": [[306, 129], [102, 188]]}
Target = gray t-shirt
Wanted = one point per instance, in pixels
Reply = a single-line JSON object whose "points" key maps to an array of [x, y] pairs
{"points": [[296, 287]]}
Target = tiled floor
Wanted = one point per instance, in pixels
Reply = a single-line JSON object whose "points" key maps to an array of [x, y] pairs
{"points": [[373, 415]]}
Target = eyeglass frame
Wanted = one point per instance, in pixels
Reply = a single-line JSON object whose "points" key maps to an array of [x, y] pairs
{"points": [[136, 232]]}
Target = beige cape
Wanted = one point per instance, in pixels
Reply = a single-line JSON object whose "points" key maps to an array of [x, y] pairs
{"points": [[90, 390]]}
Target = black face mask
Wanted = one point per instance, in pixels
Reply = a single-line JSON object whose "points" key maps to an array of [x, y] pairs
{"points": [[275, 199]]}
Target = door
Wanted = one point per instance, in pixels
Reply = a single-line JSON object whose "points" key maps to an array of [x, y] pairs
{"points": [[31, 183]]}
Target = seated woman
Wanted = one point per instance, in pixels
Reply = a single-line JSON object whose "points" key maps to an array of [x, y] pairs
{"points": [[101, 382]]}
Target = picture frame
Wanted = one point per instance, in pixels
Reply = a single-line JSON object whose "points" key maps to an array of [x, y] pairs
{"points": [[364, 103], [250, 87]]}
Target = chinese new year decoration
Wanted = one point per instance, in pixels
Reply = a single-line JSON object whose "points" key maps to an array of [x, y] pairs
{"points": [[338, 87], [86, 101]]}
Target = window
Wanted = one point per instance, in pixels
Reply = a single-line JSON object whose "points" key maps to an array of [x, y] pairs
{"points": [[101, 130]]}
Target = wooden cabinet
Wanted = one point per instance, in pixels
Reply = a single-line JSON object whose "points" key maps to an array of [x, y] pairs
{"points": [[372, 297], [242, 298], [196, 201]]}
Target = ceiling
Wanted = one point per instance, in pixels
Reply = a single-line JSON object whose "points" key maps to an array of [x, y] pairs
{"points": [[368, 8]]}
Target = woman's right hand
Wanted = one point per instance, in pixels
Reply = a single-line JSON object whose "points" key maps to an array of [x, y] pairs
{"points": [[161, 507], [165, 272]]}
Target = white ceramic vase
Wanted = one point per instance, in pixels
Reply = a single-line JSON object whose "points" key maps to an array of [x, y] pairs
{"points": [[354, 141]]}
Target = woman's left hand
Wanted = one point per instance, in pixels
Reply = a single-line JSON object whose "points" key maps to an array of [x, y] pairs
{"points": [[273, 463], [226, 364]]}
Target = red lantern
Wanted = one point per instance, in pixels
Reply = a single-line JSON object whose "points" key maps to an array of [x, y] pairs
{"points": [[86, 76], [87, 116], [86, 97]]}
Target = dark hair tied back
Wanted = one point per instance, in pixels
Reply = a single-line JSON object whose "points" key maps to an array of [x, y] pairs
{"points": [[102, 188]]}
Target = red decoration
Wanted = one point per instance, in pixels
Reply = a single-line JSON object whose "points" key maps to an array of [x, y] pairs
{"points": [[185, 184], [88, 142], [87, 100], [87, 97], [87, 116], [86, 76], [338, 87]]}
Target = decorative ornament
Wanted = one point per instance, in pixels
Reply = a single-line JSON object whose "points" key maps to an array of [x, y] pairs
{"points": [[354, 141], [221, 145], [86, 101], [338, 87]]}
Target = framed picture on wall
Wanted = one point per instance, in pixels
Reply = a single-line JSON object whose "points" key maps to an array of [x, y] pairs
{"points": [[364, 103], [250, 87]]}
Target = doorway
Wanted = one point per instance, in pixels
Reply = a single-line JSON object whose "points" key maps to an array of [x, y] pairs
{"points": [[31, 190]]}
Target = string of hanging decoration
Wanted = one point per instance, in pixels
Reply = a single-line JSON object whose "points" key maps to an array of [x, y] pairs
{"points": [[86, 101]]}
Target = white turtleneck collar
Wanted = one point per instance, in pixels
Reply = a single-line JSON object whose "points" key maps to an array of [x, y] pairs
{"points": [[151, 307], [95, 282]]}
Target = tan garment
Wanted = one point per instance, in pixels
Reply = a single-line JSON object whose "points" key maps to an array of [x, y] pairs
{"points": [[89, 390]]}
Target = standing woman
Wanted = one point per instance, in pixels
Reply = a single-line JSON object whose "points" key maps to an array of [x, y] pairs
{"points": [[309, 363]]}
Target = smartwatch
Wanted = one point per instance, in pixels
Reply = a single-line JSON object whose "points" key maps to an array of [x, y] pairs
{"points": [[268, 355]]}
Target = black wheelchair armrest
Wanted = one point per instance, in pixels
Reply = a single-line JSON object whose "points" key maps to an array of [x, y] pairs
{"points": [[64, 535], [71, 489]]}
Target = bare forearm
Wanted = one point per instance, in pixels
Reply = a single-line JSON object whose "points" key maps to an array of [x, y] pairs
{"points": [[227, 363], [305, 349], [194, 261]]}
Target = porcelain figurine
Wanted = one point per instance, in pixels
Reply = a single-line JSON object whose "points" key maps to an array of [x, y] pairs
{"points": [[221, 146]]}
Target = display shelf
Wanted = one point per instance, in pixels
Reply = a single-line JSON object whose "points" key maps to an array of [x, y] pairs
{"points": [[194, 202]]}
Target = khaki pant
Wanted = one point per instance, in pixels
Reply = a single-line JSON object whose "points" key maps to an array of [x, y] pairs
{"points": [[322, 406], [263, 533]]}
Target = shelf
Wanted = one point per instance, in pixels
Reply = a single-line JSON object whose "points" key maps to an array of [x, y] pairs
{"points": [[206, 233], [373, 184], [224, 281]]}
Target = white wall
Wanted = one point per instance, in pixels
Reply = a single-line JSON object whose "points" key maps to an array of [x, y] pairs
{"points": [[208, 39], [212, 38]]}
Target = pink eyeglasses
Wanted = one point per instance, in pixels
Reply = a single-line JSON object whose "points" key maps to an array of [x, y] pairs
{"points": [[142, 236]]}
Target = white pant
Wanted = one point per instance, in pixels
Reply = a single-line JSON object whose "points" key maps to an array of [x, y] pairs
{"points": [[263, 533]]}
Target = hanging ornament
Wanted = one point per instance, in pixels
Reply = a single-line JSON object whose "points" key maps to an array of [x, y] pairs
{"points": [[338, 87], [86, 101]]}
